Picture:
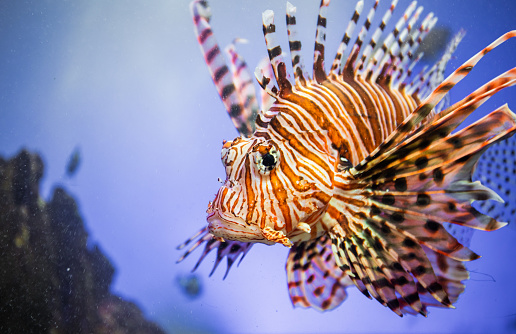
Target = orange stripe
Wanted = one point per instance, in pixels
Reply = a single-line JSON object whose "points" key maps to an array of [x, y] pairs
{"points": [[280, 195]]}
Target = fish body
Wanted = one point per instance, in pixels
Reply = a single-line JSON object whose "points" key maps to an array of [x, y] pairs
{"points": [[355, 169]]}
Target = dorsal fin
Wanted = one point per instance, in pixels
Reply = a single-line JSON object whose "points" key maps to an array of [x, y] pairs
{"points": [[436, 73], [241, 116], [319, 74], [275, 54], [265, 81], [298, 66], [243, 80], [266, 96], [427, 25], [427, 105], [392, 44], [336, 67], [375, 38], [349, 68], [405, 53]]}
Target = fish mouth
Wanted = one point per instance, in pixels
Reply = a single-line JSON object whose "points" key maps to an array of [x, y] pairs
{"points": [[228, 227]]}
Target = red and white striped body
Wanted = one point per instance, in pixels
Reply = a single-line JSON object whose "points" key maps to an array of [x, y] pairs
{"points": [[356, 169], [314, 129]]}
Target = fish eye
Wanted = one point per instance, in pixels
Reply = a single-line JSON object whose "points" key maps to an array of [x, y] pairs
{"points": [[344, 164], [267, 160]]}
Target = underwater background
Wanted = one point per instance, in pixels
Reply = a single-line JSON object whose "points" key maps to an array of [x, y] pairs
{"points": [[126, 84]]}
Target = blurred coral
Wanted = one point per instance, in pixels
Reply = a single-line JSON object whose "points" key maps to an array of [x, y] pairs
{"points": [[50, 281]]}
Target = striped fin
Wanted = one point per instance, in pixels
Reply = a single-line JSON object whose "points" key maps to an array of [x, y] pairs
{"points": [[399, 208], [242, 117], [389, 250], [265, 71], [336, 67], [243, 80], [442, 169], [413, 43], [469, 104], [349, 68], [394, 266], [345, 262], [436, 75], [389, 52], [449, 273], [426, 107], [392, 213], [275, 54], [398, 51], [376, 38], [371, 274], [300, 74], [319, 74], [269, 93], [314, 280], [428, 24], [264, 75], [228, 249], [391, 279], [408, 47]]}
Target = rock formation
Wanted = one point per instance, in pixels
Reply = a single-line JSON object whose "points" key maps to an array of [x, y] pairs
{"points": [[50, 282]]}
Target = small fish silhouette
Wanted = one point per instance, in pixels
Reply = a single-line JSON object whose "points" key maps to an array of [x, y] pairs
{"points": [[73, 162], [190, 285]]}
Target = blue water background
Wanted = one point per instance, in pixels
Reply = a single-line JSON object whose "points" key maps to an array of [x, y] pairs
{"points": [[125, 81]]}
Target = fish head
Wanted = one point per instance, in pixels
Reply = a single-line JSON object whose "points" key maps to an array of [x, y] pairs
{"points": [[267, 192]]}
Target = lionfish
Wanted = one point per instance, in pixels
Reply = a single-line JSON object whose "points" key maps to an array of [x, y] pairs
{"points": [[355, 169]]}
